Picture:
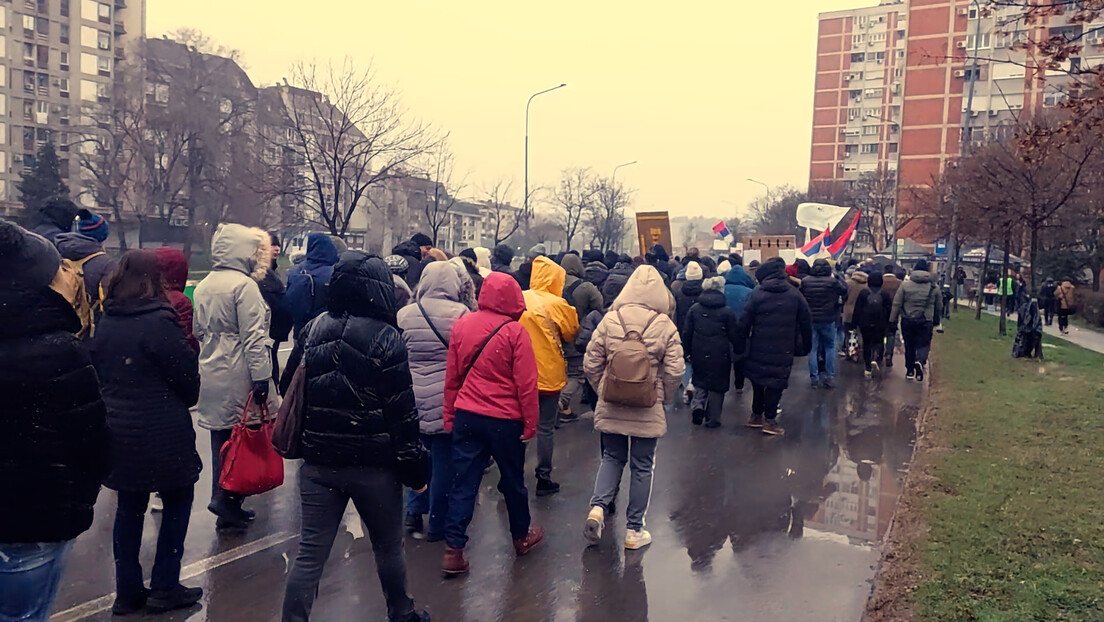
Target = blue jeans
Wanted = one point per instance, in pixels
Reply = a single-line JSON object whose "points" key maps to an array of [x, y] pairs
{"points": [[475, 440], [824, 339], [639, 453], [29, 579], [434, 501], [130, 518]]}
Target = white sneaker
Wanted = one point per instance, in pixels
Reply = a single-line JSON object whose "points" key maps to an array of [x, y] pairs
{"points": [[593, 527], [155, 503], [874, 367], [637, 539], [868, 374]]}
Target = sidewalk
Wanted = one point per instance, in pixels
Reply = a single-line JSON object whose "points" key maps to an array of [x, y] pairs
{"points": [[1088, 339]]}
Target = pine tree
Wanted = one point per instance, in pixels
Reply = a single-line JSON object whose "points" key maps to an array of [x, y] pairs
{"points": [[42, 184]]}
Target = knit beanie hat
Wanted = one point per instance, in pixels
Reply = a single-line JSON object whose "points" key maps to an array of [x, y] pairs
{"points": [[421, 239], [93, 225], [693, 271], [717, 283], [397, 264], [27, 261], [724, 267], [921, 265], [469, 254]]}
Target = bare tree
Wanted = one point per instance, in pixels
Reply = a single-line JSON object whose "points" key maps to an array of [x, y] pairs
{"points": [[504, 220], [440, 168], [606, 214], [777, 213], [573, 198], [875, 195], [347, 133]]}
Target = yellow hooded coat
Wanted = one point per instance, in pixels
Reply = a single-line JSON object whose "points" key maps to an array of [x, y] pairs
{"points": [[550, 321]]}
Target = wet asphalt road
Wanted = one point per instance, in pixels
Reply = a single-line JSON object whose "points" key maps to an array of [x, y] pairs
{"points": [[745, 527]]}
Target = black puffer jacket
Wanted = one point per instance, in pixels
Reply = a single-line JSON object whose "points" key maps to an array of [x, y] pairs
{"points": [[150, 378], [776, 327], [872, 310], [708, 337], [615, 282], [685, 297], [823, 292], [53, 442], [360, 409]]}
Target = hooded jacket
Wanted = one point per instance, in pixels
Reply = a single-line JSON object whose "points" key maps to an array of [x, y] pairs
{"points": [[1064, 295], [149, 376], [174, 267], [57, 217], [412, 253], [550, 322], [483, 261], [54, 447], [502, 382], [596, 272], [776, 327], [890, 285], [823, 293], [75, 247], [642, 299], [438, 303], [918, 299], [872, 310], [231, 324], [737, 290], [305, 296], [685, 297], [708, 338], [584, 296], [856, 284], [501, 258], [359, 399]]}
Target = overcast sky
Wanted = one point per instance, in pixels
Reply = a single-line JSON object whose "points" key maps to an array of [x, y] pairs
{"points": [[703, 94]]}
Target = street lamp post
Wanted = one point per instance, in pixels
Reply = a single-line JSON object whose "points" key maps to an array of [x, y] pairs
{"points": [[525, 210], [952, 244], [614, 182], [765, 186]]}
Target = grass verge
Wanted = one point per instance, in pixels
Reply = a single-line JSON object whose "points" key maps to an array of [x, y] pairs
{"points": [[1002, 516]]}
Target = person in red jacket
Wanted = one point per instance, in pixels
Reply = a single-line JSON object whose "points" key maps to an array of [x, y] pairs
{"points": [[491, 410], [174, 267]]}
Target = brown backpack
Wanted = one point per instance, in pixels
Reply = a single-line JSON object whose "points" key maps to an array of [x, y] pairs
{"points": [[630, 378]]}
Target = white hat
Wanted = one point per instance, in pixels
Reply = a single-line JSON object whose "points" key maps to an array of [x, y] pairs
{"points": [[694, 271], [724, 267], [717, 283]]}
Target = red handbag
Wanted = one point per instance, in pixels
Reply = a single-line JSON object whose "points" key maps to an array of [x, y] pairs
{"points": [[250, 466]]}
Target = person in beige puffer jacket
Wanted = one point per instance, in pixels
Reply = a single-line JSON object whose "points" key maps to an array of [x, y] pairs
{"points": [[1064, 297], [630, 434]]}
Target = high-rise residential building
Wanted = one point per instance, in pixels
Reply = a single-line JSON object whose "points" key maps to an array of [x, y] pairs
{"points": [[941, 69], [59, 56]]}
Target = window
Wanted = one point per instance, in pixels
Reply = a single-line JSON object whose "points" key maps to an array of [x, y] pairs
{"points": [[29, 52], [850, 150], [857, 57], [104, 41], [857, 39], [892, 148], [879, 55], [973, 13], [28, 110], [868, 149], [43, 57], [856, 95], [64, 33], [105, 13], [103, 64], [44, 84], [29, 23], [65, 61], [101, 91], [978, 43], [897, 72], [42, 26], [853, 113], [63, 85], [877, 37], [870, 130], [64, 4], [873, 94]]}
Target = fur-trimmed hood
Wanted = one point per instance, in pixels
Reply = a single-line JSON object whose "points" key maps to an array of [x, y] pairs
{"points": [[245, 249]]}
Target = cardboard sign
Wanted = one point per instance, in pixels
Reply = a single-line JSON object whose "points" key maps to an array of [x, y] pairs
{"points": [[653, 228]]}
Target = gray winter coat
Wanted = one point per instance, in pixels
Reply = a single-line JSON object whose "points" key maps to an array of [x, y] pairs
{"points": [[231, 323], [439, 294], [917, 299]]}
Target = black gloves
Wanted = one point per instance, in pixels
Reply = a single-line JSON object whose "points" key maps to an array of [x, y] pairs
{"points": [[260, 392]]}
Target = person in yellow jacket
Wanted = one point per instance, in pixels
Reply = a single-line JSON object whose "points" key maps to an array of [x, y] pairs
{"points": [[550, 321]]}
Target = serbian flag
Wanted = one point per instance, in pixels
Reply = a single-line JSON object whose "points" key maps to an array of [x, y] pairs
{"points": [[836, 248], [721, 229], [813, 246]]}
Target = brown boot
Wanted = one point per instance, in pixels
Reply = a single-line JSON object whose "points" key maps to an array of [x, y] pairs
{"points": [[531, 539], [454, 564]]}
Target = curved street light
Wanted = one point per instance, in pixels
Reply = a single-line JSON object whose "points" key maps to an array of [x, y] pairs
{"points": [[614, 179], [526, 198]]}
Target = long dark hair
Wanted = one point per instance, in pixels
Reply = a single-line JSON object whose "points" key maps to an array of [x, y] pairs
{"points": [[137, 277]]}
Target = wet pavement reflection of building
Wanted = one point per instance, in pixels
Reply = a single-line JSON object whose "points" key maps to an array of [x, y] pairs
{"points": [[746, 527]]}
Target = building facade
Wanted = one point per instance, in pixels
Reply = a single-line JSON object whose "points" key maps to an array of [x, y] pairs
{"points": [[60, 55], [942, 70]]}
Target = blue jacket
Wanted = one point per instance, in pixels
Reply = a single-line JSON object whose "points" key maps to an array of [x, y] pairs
{"points": [[738, 288], [308, 282]]}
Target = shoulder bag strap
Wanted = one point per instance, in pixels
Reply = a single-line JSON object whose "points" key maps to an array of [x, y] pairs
{"points": [[479, 350], [440, 337]]}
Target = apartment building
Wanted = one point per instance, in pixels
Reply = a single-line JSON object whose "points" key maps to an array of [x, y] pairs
{"points": [[59, 56], [954, 70]]}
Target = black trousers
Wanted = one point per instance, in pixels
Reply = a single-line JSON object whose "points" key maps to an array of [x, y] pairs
{"points": [[764, 400], [873, 344], [738, 372], [917, 336], [130, 517], [1048, 311]]}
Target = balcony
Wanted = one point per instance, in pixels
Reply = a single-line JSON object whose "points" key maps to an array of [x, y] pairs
{"points": [[120, 4], [120, 53], [120, 29]]}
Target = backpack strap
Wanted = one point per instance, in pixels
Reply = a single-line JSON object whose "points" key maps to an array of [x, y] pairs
{"points": [[440, 337], [479, 350], [79, 264], [569, 293], [625, 328]]}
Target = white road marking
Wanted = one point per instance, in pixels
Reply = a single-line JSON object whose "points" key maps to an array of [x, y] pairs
{"points": [[190, 571]]}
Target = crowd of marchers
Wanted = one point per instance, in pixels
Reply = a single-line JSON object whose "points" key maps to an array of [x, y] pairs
{"points": [[418, 371]]}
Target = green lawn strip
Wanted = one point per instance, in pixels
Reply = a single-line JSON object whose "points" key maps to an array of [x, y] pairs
{"points": [[1016, 507]]}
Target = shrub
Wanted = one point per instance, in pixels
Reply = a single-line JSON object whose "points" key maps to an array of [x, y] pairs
{"points": [[1090, 306]]}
